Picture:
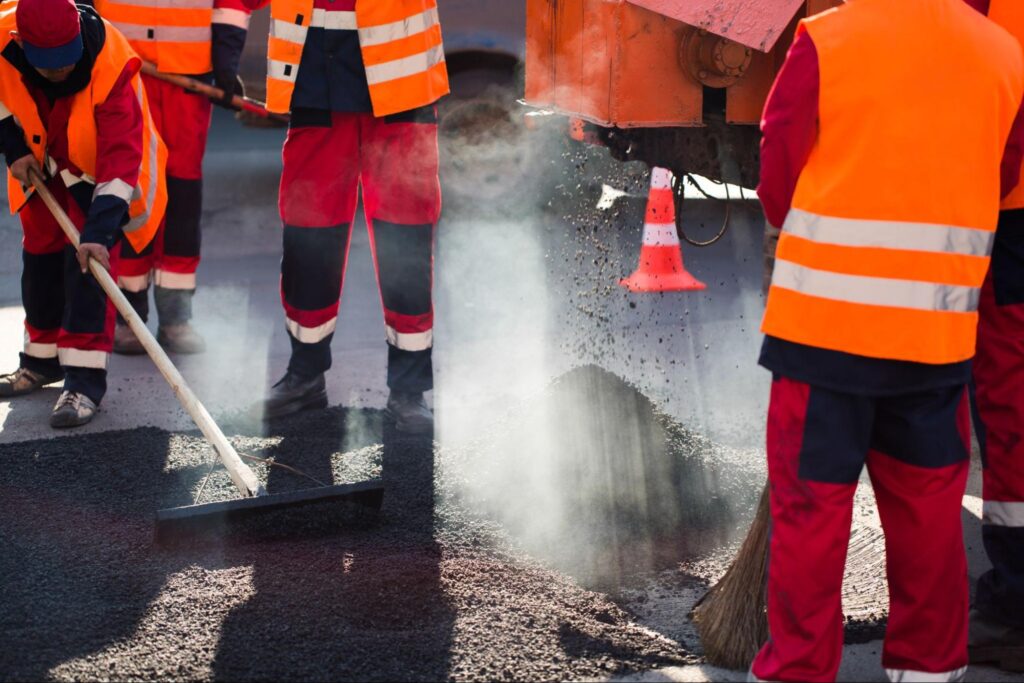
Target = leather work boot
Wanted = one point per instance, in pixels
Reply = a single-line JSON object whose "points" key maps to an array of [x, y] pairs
{"points": [[293, 394], [24, 381], [410, 412], [125, 341], [995, 644], [72, 410], [180, 339]]}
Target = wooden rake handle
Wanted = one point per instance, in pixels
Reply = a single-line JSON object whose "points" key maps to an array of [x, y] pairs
{"points": [[197, 86], [240, 474]]}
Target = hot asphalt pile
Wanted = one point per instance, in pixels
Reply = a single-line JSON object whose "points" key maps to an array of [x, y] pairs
{"points": [[479, 566]]}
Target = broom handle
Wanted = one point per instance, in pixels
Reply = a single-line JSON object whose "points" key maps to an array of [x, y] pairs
{"points": [[194, 85], [241, 475]]}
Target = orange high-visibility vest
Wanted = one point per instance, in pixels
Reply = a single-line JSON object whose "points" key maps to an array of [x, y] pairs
{"points": [[400, 41], [173, 34], [148, 199], [1010, 15], [887, 243]]}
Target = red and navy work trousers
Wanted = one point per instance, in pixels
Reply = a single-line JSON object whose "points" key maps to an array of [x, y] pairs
{"points": [[69, 321], [328, 156], [916, 448], [999, 423], [183, 121]]}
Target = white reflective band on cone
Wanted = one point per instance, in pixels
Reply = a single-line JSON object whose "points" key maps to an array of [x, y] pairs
{"points": [[133, 283], [661, 179], [231, 17], [37, 350], [406, 66], [911, 676], [874, 291], [77, 358], [851, 232], [660, 235], [169, 280], [409, 341], [311, 335], [334, 21], [999, 513]]}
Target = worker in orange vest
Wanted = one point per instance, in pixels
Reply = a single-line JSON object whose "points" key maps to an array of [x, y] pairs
{"points": [[72, 106], [360, 79], [883, 169], [997, 619], [195, 38]]}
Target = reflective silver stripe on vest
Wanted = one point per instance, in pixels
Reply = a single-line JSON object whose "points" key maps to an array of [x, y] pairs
{"points": [[875, 291], [388, 33], [282, 71], [288, 32], [170, 34], [853, 232], [166, 4], [407, 66], [333, 21], [154, 149], [116, 188]]}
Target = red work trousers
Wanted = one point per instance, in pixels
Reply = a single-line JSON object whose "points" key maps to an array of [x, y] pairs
{"points": [[69, 321], [183, 121], [916, 448], [328, 156], [999, 423]]}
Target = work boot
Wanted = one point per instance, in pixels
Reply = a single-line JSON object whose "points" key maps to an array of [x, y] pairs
{"points": [[72, 410], [24, 381], [996, 644], [125, 341], [295, 393], [410, 412], [180, 339]]}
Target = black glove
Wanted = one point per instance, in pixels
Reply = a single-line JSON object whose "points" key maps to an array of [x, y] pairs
{"points": [[228, 42]]}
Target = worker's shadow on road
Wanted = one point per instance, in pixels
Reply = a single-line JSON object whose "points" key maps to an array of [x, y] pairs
{"points": [[363, 602], [77, 568]]}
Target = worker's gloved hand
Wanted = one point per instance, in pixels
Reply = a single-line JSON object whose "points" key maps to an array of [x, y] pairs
{"points": [[20, 169], [228, 41], [97, 252]]}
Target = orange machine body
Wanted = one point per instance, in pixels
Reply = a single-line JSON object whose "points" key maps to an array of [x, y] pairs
{"points": [[640, 64]]}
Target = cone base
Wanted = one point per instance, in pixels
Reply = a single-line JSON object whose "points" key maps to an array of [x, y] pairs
{"points": [[672, 282]]}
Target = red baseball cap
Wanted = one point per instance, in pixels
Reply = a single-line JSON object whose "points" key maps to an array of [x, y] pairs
{"points": [[50, 32]]}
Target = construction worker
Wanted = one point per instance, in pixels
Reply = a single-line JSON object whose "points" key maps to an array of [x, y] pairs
{"points": [[997, 620], [72, 106], [360, 79], [883, 168], [191, 37]]}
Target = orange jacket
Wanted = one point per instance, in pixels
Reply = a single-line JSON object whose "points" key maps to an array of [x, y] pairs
{"points": [[888, 240]]}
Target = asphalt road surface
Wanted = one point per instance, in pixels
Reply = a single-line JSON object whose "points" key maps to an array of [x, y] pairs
{"points": [[597, 457]]}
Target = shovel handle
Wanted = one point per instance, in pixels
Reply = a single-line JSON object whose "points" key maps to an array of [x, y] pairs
{"points": [[215, 93], [240, 474]]}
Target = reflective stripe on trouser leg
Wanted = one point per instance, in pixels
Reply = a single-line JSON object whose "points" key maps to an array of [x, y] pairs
{"points": [[999, 422], [133, 276], [402, 200], [179, 243], [87, 329], [318, 197], [817, 442], [918, 467]]}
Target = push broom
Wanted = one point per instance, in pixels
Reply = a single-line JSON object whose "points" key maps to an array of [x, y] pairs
{"points": [[730, 618], [182, 522]]}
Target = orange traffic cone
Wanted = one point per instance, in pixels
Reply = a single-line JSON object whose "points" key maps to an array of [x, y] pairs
{"points": [[661, 257]]}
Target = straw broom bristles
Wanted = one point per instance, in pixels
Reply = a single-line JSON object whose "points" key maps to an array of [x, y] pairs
{"points": [[731, 618]]}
